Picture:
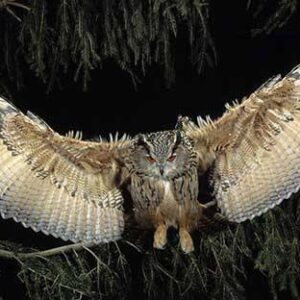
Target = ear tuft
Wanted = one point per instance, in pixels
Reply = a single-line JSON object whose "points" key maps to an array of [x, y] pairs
{"points": [[141, 141], [181, 122], [178, 138]]}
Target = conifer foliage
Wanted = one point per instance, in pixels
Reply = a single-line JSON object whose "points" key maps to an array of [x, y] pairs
{"points": [[72, 37], [76, 36]]}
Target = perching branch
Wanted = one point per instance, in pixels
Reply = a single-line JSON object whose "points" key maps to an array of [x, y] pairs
{"points": [[45, 253]]}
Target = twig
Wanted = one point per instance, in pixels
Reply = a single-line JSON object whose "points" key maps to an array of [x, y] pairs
{"points": [[6, 3], [134, 246], [19, 5], [45, 253], [13, 14]]}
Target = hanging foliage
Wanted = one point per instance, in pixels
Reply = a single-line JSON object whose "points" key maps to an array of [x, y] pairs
{"points": [[75, 36], [55, 38]]}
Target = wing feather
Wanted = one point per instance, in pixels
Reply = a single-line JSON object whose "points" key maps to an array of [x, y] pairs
{"points": [[253, 149], [58, 184]]}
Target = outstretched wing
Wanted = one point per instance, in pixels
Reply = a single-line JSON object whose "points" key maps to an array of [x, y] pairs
{"points": [[57, 184], [253, 149]]}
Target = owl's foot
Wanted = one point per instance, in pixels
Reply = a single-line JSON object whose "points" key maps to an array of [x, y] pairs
{"points": [[160, 237], [186, 241]]}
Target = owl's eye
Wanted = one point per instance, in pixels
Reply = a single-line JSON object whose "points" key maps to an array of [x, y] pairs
{"points": [[172, 157], [150, 159]]}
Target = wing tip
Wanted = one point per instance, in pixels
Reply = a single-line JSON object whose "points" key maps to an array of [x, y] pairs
{"points": [[6, 106], [294, 73]]}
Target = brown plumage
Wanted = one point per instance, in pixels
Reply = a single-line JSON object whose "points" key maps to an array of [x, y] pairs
{"points": [[74, 189]]}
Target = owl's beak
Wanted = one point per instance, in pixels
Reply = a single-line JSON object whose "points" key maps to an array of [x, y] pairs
{"points": [[161, 169]]}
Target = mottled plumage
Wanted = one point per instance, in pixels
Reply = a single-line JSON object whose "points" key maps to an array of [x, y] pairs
{"points": [[75, 189]]}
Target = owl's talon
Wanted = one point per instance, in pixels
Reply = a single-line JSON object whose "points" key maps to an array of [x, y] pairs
{"points": [[186, 241], [160, 237]]}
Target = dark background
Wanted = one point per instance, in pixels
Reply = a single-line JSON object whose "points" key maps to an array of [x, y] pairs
{"points": [[244, 63]]}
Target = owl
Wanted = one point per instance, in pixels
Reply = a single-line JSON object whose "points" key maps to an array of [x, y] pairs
{"points": [[247, 161]]}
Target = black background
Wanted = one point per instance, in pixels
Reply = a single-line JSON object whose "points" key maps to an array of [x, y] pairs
{"points": [[112, 104]]}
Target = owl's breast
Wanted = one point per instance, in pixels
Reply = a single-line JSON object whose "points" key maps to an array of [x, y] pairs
{"points": [[150, 192], [156, 198], [169, 206], [166, 190]]}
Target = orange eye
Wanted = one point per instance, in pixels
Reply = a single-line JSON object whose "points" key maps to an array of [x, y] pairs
{"points": [[150, 159], [172, 157]]}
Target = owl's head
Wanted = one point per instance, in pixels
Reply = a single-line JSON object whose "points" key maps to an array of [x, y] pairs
{"points": [[162, 154]]}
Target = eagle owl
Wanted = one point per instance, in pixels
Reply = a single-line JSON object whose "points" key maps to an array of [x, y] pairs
{"points": [[76, 189]]}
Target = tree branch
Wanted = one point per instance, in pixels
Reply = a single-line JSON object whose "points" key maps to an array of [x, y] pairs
{"points": [[45, 253]]}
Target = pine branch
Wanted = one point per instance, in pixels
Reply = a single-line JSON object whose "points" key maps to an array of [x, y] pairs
{"points": [[73, 36]]}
